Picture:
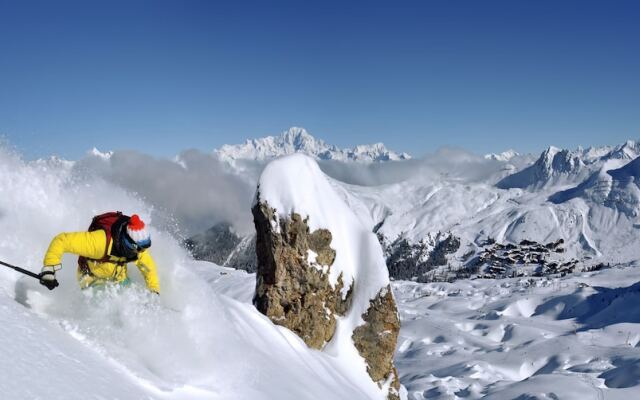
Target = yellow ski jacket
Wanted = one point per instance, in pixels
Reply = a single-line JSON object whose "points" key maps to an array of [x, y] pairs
{"points": [[91, 245]]}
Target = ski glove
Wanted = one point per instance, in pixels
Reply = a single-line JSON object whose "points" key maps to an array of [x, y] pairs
{"points": [[48, 276]]}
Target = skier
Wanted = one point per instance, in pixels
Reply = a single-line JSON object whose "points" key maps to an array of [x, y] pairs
{"points": [[112, 241]]}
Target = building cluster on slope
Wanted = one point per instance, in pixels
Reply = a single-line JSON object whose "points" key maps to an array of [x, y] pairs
{"points": [[526, 258]]}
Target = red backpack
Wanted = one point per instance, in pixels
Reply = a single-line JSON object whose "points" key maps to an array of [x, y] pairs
{"points": [[105, 222]]}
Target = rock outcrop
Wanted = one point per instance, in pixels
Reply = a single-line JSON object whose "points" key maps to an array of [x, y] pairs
{"points": [[294, 291], [292, 287], [322, 274], [376, 340]]}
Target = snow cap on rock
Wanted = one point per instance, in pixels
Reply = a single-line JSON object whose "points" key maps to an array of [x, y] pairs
{"points": [[137, 231]]}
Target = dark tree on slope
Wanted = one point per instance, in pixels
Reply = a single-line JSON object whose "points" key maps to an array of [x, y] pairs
{"points": [[220, 245], [407, 260], [214, 245]]}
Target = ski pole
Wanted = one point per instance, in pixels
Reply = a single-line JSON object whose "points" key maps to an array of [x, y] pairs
{"points": [[24, 271]]}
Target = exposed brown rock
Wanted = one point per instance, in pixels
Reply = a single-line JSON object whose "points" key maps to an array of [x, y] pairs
{"points": [[294, 291], [376, 340], [289, 290]]}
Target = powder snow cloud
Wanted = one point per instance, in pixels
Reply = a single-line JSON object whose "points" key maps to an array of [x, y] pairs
{"points": [[197, 190], [189, 194]]}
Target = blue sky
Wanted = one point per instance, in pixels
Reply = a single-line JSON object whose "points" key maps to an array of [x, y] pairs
{"points": [[163, 76]]}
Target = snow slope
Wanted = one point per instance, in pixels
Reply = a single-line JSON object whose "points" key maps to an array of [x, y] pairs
{"points": [[570, 338], [192, 342], [40, 360]]}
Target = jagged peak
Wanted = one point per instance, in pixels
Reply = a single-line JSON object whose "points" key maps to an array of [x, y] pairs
{"points": [[559, 160], [630, 143], [297, 134], [298, 139], [628, 150], [550, 152], [504, 156], [552, 163]]}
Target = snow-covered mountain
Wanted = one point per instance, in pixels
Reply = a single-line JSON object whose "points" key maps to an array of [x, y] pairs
{"points": [[556, 166], [626, 151], [586, 197], [553, 164], [298, 140], [504, 156], [615, 188]]}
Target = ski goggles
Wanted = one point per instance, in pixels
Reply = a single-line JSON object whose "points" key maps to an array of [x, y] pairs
{"points": [[137, 246]]}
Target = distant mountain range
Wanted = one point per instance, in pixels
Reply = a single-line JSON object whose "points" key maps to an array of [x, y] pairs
{"points": [[589, 198], [555, 165], [504, 156], [296, 140]]}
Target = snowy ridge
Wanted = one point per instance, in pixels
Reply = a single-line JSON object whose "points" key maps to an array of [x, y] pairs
{"points": [[626, 151], [295, 184], [553, 163], [298, 140], [556, 166], [504, 156]]}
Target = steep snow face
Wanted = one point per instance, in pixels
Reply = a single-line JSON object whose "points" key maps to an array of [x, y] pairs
{"points": [[613, 186], [298, 140], [628, 173], [595, 189], [295, 184], [191, 342], [624, 194], [557, 166], [553, 163]]}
